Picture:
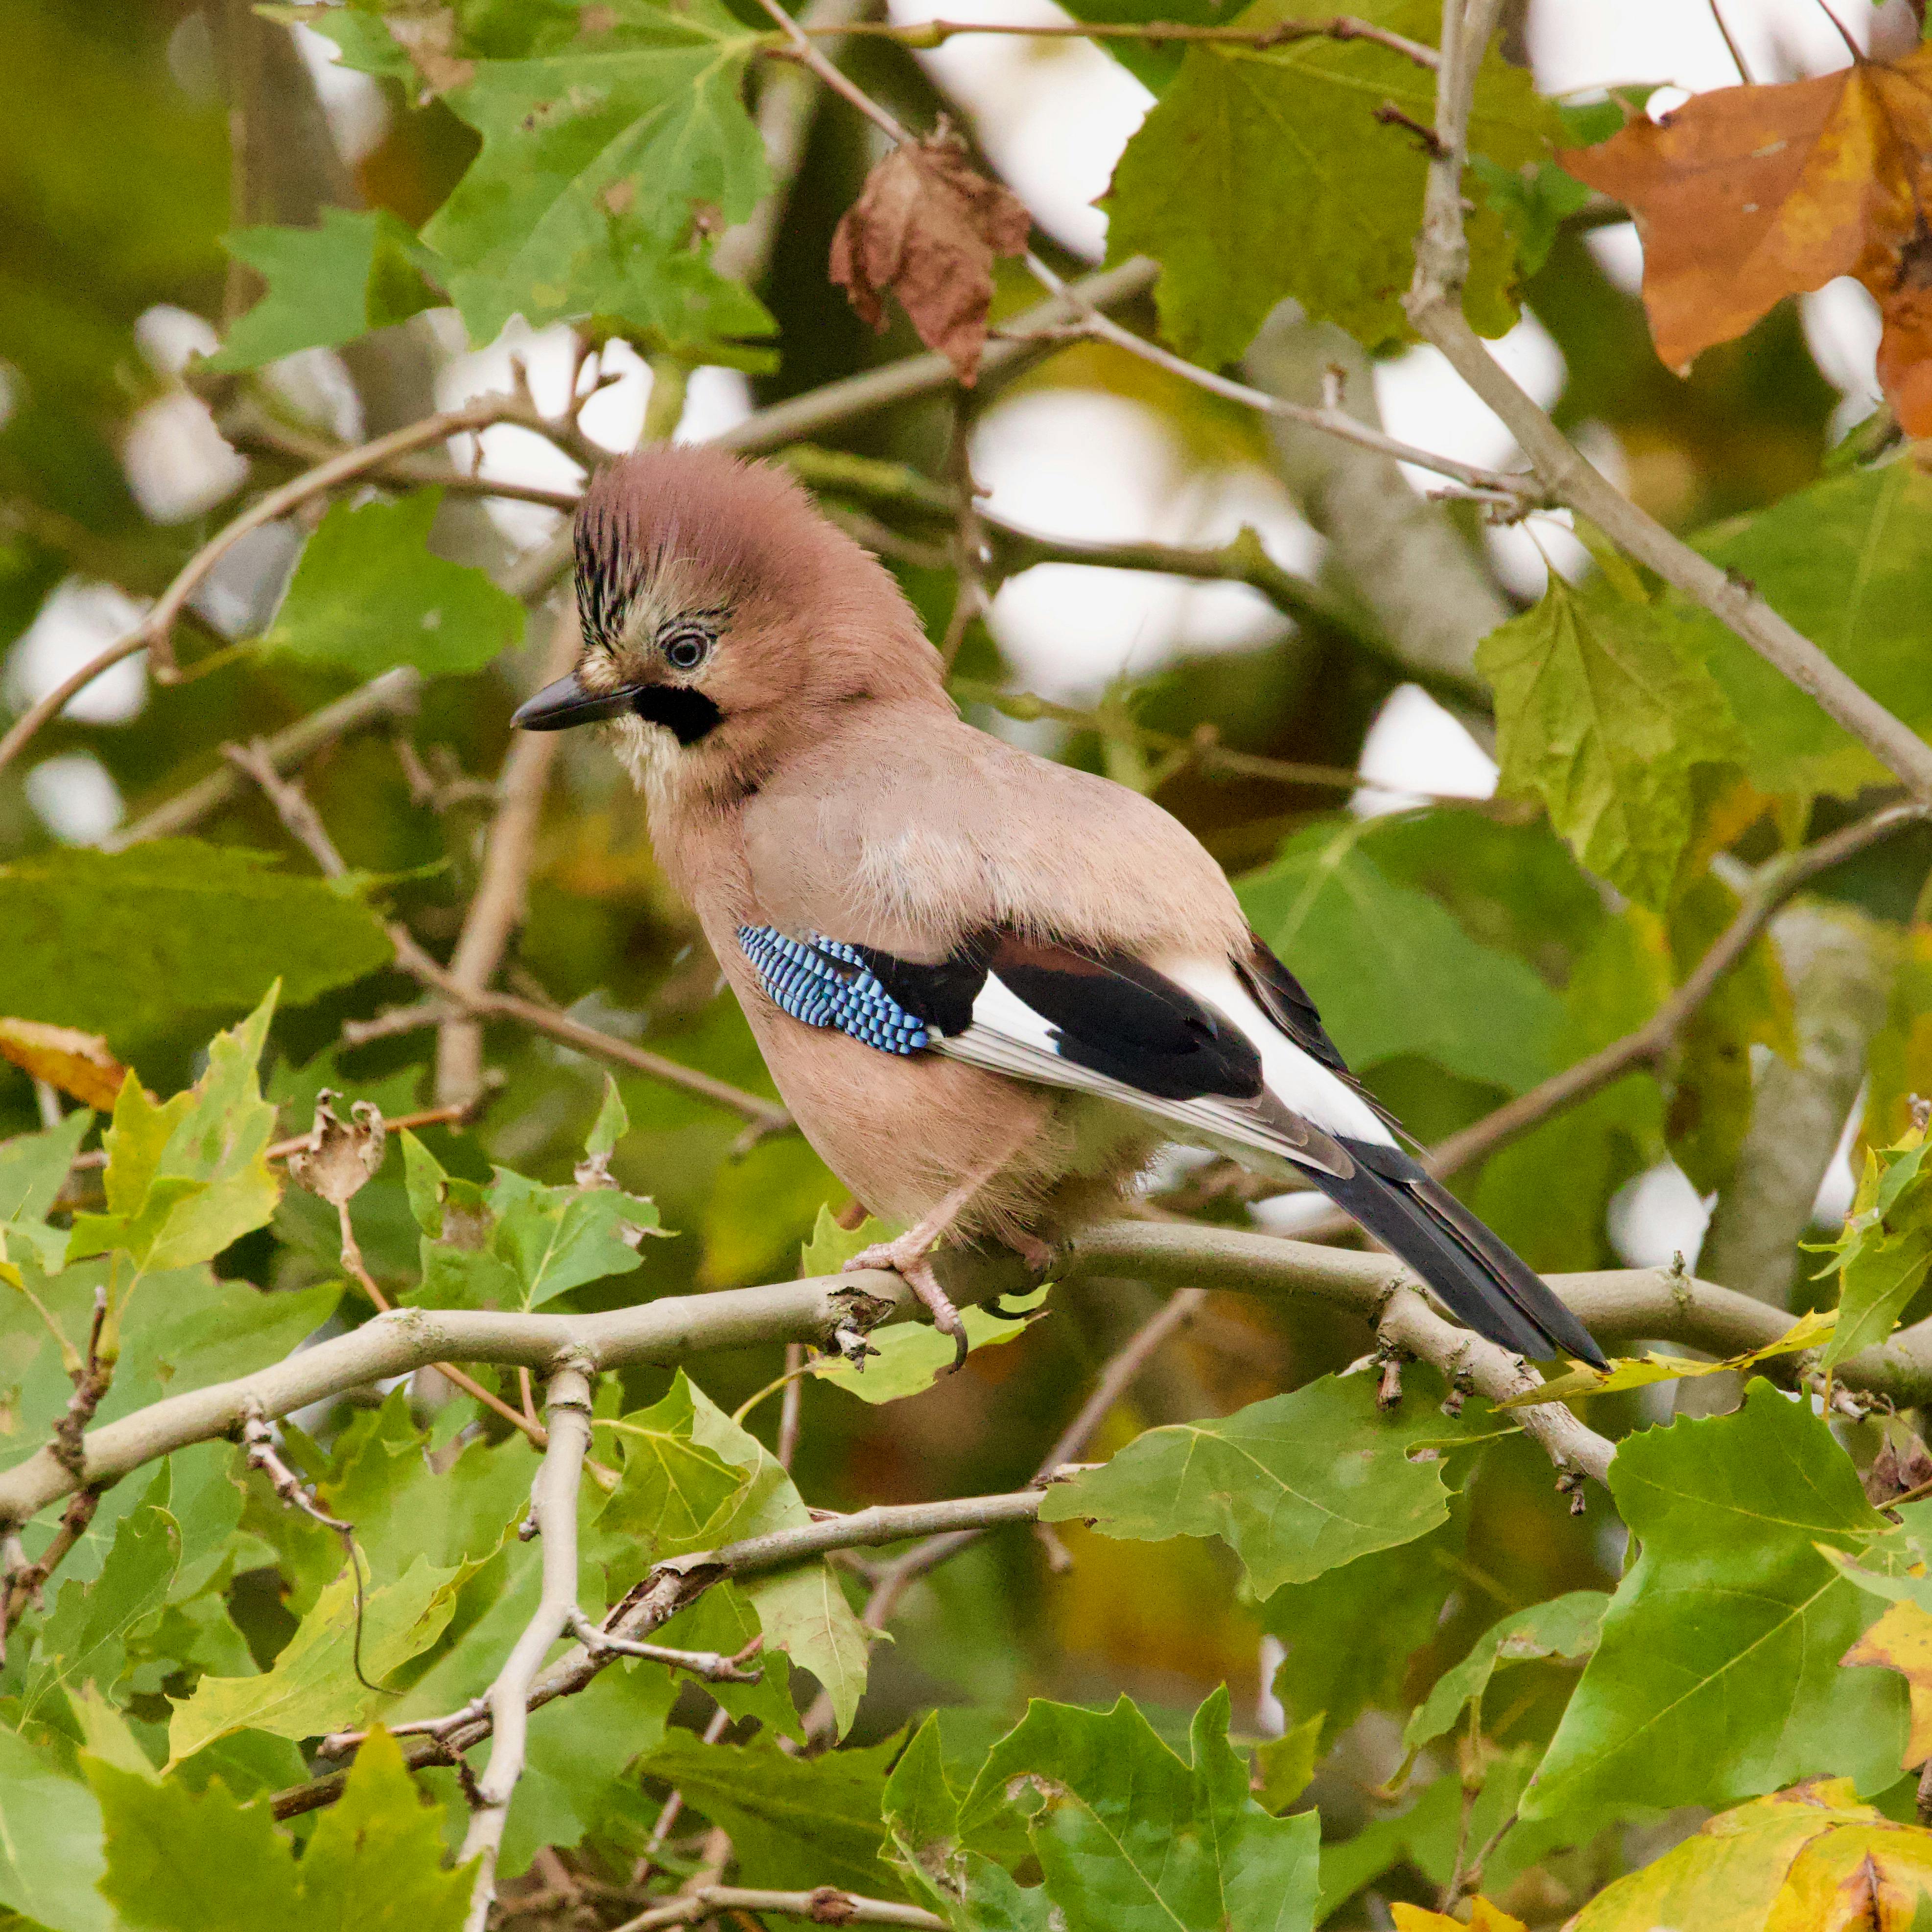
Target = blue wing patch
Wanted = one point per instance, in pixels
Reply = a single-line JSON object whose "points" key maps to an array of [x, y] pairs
{"points": [[827, 983]]}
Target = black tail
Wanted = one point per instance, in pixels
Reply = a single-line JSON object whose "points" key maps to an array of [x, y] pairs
{"points": [[1479, 1278]]}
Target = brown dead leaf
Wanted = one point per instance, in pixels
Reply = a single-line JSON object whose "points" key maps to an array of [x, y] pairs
{"points": [[1745, 195], [78, 1064], [1900, 1465], [342, 1156], [928, 226], [1901, 1640]]}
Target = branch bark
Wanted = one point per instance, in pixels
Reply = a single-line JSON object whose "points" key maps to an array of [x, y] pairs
{"points": [[1399, 554], [1839, 968], [826, 1906], [496, 907], [553, 1514]]}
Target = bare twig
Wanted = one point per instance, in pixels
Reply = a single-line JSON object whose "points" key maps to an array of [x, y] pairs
{"points": [[923, 35], [1203, 751], [711, 1665], [827, 1906], [154, 631], [1510, 493], [302, 824], [791, 1406], [1730, 43], [891, 1584], [553, 1509], [1434, 304], [393, 694], [1023, 342]]}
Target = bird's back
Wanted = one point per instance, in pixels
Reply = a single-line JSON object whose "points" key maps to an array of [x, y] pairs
{"points": [[905, 829]]}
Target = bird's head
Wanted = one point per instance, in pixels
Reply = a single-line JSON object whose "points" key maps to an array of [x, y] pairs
{"points": [[724, 618]]}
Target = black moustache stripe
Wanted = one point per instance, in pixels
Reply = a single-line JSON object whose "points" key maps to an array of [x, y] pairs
{"points": [[688, 715]]}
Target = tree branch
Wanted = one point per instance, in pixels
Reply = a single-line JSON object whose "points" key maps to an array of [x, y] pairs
{"points": [[925, 34], [826, 1906], [394, 694], [554, 1517], [302, 824], [153, 633], [1509, 492], [1651, 1042], [1434, 304], [496, 908]]}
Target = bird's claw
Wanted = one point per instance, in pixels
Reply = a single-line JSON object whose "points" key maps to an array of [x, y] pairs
{"points": [[908, 1259], [994, 1305]]}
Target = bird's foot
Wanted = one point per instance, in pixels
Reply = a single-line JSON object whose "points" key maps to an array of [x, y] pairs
{"points": [[910, 1258]]}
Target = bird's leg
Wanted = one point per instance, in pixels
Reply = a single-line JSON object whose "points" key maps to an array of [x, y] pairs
{"points": [[910, 1255], [910, 1258]]}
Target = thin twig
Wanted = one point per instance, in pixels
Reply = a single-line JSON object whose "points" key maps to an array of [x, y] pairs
{"points": [[553, 1510], [393, 694], [1434, 304], [711, 1665], [1730, 43], [925, 34], [827, 1906], [299, 817], [497, 907], [1201, 752], [889, 1588], [1653, 1042], [791, 1408], [1510, 492], [154, 631], [806, 51]]}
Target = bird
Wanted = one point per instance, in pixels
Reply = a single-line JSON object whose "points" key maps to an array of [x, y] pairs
{"points": [[989, 987]]}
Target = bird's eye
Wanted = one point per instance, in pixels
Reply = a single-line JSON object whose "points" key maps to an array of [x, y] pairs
{"points": [[685, 650]]}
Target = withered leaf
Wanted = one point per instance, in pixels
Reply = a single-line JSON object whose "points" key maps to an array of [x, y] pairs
{"points": [[341, 1156], [1747, 194], [77, 1062], [928, 226]]}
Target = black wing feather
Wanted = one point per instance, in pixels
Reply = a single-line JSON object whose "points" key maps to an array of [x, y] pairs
{"points": [[1116, 1016]]}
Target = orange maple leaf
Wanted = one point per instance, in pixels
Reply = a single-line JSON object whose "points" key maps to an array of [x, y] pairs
{"points": [[1747, 194]]}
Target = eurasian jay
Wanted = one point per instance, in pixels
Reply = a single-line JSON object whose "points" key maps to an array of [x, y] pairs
{"points": [[989, 987]]}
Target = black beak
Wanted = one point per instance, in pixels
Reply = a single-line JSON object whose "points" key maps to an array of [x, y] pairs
{"points": [[566, 703]]}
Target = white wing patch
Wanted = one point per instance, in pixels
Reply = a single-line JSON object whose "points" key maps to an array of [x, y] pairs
{"points": [[1008, 1036]]}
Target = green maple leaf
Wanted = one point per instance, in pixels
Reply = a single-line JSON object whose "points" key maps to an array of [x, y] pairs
{"points": [[596, 161], [1264, 173]]}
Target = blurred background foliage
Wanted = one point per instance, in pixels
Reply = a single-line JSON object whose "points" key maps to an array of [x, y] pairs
{"points": [[1459, 951]]}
